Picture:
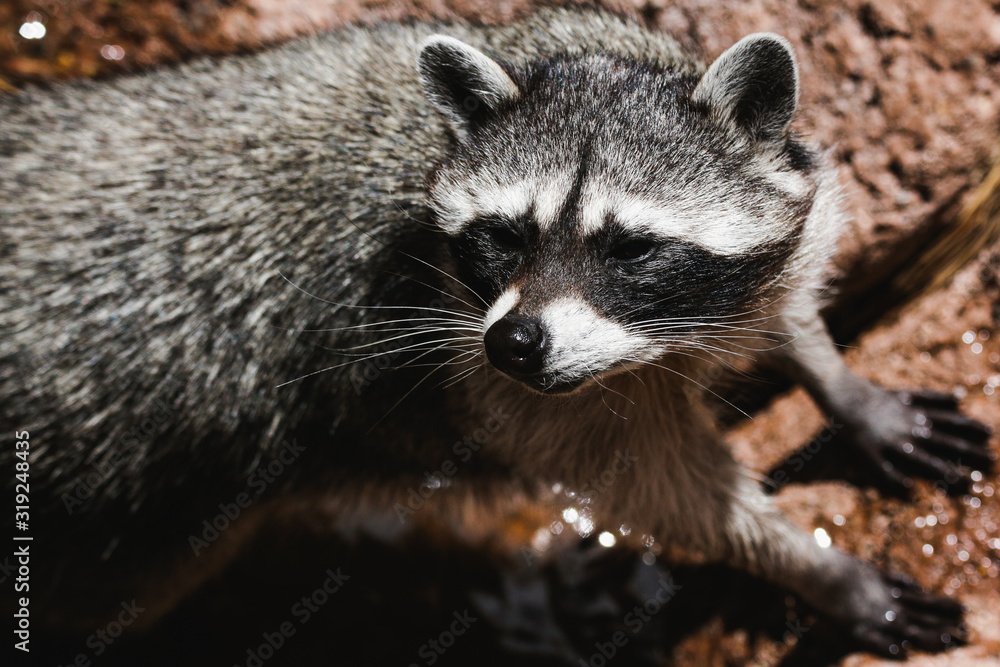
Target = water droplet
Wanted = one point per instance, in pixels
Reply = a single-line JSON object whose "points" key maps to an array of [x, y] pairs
{"points": [[822, 538], [890, 616], [928, 550], [963, 555], [606, 539], [570, 515], [975, 502], [972, 380], [945, 638], [648, 558], [893, 649], [839, 520], [968, 337], [908, 447], [976, 476], [937, 508], [541, 539], [995, 357], [556, 527], [920, 522], [624, 529], [925, 356], [989, 389], [942, 519], [984, 334], [896, 593], [952, 540], [648, 541], [931, 520], [557, 488], [977, 348], [32, 29], [112, 52]]}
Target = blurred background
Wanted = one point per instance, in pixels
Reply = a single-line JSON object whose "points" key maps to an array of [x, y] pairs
{"points": [[906, 94]]}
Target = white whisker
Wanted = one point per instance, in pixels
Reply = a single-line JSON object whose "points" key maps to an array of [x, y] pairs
{"points": [[675, 372]]}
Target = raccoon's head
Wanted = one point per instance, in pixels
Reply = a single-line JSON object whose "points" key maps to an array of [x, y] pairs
{"points": [[606, 210]]}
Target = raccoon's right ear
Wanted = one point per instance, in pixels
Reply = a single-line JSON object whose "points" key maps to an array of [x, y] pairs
{"points": [[754, 84], [461, 82]]}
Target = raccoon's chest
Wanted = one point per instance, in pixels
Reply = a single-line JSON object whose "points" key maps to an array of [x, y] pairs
{"points": [[647, 412]]}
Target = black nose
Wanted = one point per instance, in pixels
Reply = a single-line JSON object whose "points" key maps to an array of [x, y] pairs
{"points": [[516, 345]]}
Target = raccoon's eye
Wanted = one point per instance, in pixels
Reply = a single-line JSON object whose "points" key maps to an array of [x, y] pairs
{"points": [[507, 238], [631, 251]]}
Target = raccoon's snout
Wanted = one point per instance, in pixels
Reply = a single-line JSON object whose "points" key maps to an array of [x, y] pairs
{"points": [[516, 345]]}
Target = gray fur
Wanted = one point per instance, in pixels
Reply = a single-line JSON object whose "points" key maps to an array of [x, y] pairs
{"points": [[175, 236]]}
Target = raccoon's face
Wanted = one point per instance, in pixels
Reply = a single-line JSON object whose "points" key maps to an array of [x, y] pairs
{"points": [[609, 212]]}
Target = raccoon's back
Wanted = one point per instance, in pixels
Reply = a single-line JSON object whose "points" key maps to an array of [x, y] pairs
{"points": [[148, 221]]}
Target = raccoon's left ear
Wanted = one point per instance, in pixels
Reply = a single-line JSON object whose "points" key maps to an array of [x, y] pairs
{"points": [[754, 84], [461, 82]]}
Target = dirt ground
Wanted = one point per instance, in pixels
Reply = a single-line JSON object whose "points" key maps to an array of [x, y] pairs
{"points": [[907, 95]]}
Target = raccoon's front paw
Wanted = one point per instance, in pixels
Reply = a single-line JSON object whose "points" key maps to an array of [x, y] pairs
{"points": [[905, 434], [910, 618]]}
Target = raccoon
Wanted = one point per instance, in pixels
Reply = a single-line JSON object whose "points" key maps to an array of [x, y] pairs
{"points": [[313, 269]]}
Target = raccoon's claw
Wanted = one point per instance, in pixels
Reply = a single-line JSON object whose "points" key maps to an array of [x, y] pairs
{"points": [[922, 434], [916, 619], [928, 398]]}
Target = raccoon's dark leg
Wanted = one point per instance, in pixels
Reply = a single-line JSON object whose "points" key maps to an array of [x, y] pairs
{"points": [[878, 610], [899, 434], [694, 495]]}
